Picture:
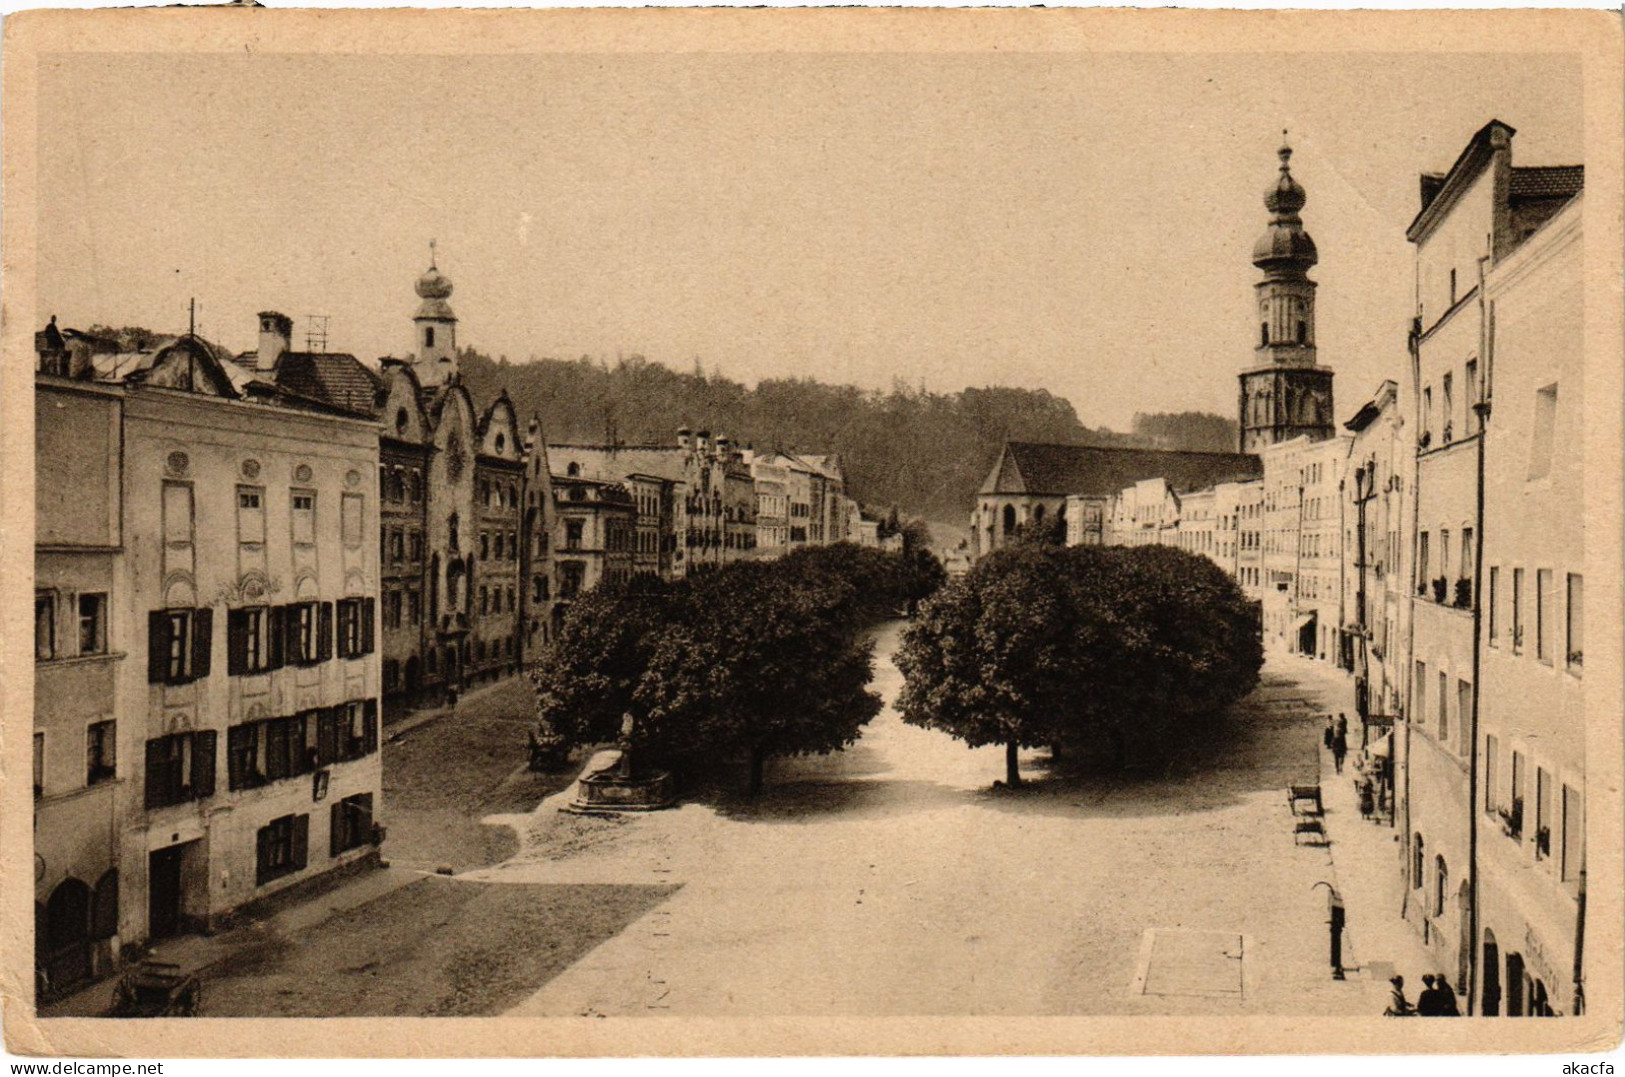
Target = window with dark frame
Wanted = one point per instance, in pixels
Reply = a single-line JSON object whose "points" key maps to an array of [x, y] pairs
{"points": [[178, 645], [282, 846], [351, 823], [44, 625], [180, 768], [101, 747], [92, 623]]}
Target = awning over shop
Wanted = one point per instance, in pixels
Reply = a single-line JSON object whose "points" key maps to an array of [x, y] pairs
{"points": [[1303, 621], [1383, 746]]}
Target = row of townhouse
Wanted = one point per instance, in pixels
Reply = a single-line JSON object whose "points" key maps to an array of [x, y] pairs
{"points": [[1433, 550], [246, 563]]}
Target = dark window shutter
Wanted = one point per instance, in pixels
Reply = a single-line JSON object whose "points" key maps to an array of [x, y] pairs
{"points": [[236, 642], [327, 736], [307, 747], [203, 751], [237, 739], [369, 727], [278, 630], [262, 855], [202, 641], [157, 647], [324, 643], [369, 609], [301, 841], [334, 834], [155, 760]]}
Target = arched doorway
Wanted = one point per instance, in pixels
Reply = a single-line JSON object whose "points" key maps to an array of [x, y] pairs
{"points": [[1515, 985], [67, 934], [1491, 1006]]}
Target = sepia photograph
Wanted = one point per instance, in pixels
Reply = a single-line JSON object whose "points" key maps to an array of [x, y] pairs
{"points": [[812, 532]]}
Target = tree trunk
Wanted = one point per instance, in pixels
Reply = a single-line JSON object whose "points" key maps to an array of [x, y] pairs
{"points": [[758, 760], [1012, 773]]}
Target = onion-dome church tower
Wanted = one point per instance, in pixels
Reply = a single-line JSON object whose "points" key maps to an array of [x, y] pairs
{"points": [[1285, 393], [435, 346]]}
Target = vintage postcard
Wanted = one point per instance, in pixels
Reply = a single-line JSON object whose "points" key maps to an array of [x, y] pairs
{"points": [[812, 532]]}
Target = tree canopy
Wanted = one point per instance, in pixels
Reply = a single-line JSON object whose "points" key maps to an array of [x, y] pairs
{"points": [[1097, 647], [751, 661]]}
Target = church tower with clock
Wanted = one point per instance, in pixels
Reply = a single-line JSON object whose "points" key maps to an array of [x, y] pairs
{"points": [[1285, 393]]}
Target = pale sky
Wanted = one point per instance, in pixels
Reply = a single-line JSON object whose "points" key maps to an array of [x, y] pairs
{"points": [[1082, 224]]}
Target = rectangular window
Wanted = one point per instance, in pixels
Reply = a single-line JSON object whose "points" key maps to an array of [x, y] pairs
{"points": [[249, 641], [243, 769], [44, 625], [392, 609], [281, 848], [39, 764], [1544, 626], [1492, 773], [92, 623], [572, 534], [180, 768], [1493, 606], [355, 627], [1467, 550], [351, 825], [250, 514], [1574, 835], [309, 627], [178, 645], [1444, 709], [351, 509], [414, 607], [1464, 713], [101, 762], [1470, 394], [304, 517], [416, 545], [1447, 407], [1545, 422], [1420, 717], [1422, 563], [1543, 814], [1575, 643], [1517, 611], [397, 545], [1515, 823]]}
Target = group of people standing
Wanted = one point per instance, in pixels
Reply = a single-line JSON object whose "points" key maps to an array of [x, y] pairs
{"points": [[1438, 998]]}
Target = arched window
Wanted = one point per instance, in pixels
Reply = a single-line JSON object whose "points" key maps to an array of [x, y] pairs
{"points": [[1303, 332], [1263, 334], [573, 470], [428, 336], [1418, 863], [1038, 514], [1009, 519], [1441, 884]]}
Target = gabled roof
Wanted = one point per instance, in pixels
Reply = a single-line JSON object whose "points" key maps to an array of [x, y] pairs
{"points": [[334, 378], [1548, 181], [1057, 470]]}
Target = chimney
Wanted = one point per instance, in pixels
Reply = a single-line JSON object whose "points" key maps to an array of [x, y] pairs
{"points": [[685, 438], [275, 332]]}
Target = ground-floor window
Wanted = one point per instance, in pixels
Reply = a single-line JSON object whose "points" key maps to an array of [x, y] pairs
{"points": [[351, 823], [282, 846]]}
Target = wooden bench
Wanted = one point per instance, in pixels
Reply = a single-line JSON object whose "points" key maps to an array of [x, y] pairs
{"points": [[1306, 795], [1311, 828]]}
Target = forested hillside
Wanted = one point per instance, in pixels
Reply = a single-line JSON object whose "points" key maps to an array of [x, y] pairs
{"points": [[924, 452]]}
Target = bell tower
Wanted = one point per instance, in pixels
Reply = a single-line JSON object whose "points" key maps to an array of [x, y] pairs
{"points": [[435, 327], [1285, 393]]}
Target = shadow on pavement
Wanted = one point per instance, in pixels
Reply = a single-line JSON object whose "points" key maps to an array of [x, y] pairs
{"points": [[862, 799], [439, 947]]}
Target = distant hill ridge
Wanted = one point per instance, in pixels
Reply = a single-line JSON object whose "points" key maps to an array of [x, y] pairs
{"points": [[924, 452]]}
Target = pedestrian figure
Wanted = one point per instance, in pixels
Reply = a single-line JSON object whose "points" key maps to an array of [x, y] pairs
{"points": [[1447, 997], [1342, 726], [1428, 1003], [1397, 1004], [1331, 729], [1340, 748]]}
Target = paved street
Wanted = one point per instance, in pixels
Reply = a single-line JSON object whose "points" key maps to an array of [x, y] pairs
{"points": [[891, 878]]}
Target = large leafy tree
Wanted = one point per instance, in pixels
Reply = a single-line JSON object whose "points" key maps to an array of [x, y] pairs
{"points": [[1098, 647]]}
